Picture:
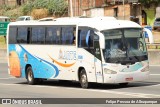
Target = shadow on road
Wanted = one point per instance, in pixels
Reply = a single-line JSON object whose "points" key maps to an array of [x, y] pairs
{"points": [[71, 84]]}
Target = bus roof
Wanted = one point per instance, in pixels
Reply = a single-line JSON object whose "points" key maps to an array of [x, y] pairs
{"points": [[99, 23]]}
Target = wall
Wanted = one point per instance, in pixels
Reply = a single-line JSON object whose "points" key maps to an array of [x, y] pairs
{"points": [[109, 11]]}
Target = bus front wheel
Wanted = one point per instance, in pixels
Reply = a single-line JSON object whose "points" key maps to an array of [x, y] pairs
{"points": [[83, 79], [30, 76]]}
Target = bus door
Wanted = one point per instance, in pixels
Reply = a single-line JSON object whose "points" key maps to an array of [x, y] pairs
{"points": [[98, 60]]}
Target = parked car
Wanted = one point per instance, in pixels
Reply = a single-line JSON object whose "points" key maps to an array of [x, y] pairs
{"points": [[46, 19], [156, 24], [24, 18]]}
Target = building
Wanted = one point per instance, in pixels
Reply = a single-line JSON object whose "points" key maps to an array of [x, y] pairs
{"points": [[12, 2], [121, 9]]}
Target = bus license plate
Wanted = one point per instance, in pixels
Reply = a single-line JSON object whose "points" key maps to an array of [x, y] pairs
{"points": [[129, 79]]}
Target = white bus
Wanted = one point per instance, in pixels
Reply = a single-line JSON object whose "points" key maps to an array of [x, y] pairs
{"points": [[99, 50]]}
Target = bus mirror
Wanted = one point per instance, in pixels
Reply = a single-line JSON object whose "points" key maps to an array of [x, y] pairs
{"points": [[150, 35]]}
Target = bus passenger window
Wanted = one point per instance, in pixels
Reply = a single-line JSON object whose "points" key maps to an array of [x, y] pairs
{"points": [[53, 35], [22, 35], [38, 35], [12, 35], [67, 35], [58, 36]]}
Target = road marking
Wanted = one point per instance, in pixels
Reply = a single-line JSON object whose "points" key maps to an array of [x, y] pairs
{"points": [[154, 65], [8, 78], [39, 86], [141, 95], [155, 74]]}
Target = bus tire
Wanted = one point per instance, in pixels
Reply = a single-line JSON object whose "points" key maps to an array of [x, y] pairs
{"points": [[30, 76], [83, 79]]}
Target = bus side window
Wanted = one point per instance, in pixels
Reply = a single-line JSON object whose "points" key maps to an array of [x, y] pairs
{"points": [[85, 37], [58, 36], [12, 35], [38, 35], [91, 37], [67, 35], [22, 35], [49, 35]]}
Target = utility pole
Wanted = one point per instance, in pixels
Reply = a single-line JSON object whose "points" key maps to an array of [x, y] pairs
{"points": [[123, 10], [71, 9]]}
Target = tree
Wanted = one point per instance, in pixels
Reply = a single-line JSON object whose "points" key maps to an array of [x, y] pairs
{"points": [[18, 2], [54, 7], [148, 3]]}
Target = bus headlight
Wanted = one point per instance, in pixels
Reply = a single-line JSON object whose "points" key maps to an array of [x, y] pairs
{"points": [[107, 71], [145, 69]]}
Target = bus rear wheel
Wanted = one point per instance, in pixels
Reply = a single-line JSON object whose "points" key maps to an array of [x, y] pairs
{"points": [[30, 76], [83, 79]]}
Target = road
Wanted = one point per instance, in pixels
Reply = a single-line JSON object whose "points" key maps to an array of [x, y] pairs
{"points": [[11, 87]]}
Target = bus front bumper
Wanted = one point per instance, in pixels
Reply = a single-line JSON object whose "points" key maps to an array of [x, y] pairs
{"points": [[122, 77]]}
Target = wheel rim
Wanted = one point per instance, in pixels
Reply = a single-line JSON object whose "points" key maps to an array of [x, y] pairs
{"points": [[30, 75], [84, 80]]}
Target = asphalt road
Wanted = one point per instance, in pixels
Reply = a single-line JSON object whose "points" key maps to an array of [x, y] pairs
{"points": [[11, 87]]}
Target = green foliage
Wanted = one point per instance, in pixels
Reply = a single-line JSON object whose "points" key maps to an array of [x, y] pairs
{"points": [[2, 42], [10, 11], [55, 7], [6, 7], [147, 3], [26, 8]]}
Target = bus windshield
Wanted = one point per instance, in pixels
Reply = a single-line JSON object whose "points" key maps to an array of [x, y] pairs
{"points": [[125, 46]]}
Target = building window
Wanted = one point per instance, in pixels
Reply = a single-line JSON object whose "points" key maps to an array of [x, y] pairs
{"points": [[116, 12]]}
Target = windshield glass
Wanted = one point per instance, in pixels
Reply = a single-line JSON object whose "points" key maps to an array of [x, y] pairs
{"points": [[124, 46], [21, 19]]}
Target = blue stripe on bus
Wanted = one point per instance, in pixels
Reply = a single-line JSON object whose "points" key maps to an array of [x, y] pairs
{"points": [[41, 69]]}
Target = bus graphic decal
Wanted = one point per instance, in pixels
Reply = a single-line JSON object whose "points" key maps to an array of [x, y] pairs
{"points": [[61, 64], [43, 68]]}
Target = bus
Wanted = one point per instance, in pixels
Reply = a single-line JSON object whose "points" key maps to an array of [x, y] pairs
{"points": [[88, 50]]}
